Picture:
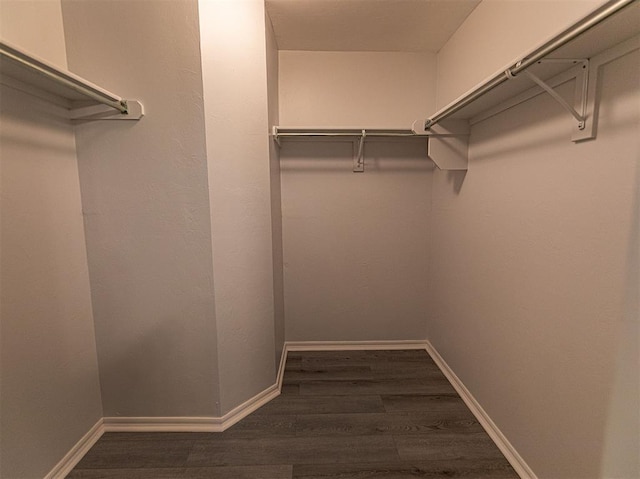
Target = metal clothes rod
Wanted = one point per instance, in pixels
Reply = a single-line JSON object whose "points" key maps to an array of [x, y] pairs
{"points": [[327, 134], [563, 38], [284, 132], [64, 79]]}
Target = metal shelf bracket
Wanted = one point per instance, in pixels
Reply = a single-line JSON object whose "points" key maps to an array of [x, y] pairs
{"points": [[582, 83]]}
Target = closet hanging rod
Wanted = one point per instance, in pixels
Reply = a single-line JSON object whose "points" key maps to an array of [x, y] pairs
{"points": [[287, 132], [336, 134], [591, 20], [66, 79]]}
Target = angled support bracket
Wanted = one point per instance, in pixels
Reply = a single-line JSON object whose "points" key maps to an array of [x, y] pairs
{"points": [[563, 103], [580, 113], [358, 157]]}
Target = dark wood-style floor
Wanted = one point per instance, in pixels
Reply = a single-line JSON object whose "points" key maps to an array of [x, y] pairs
{"points": [[354, 414]]}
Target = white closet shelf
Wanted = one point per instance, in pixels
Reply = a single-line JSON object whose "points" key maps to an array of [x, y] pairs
{"points": [[308, 131], [356, 135], [574, 55], [84, 100], [568, 52]]}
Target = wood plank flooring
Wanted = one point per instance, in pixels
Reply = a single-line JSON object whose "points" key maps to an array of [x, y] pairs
{"points": [[341, 415]]}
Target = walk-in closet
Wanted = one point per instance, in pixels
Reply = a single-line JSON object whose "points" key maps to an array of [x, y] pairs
{"points": [[289, 239]]}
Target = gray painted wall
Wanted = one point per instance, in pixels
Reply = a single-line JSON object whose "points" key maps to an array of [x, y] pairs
{"points": [[146, 206], [48, 363], [355, 244], [239, 172], [534, 280]]}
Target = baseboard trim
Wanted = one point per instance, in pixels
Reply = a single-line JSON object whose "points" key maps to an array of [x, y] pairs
{"points": [[77, 452], [163, 424], [283, 362], [246, 408], [191, 423], [199, 424], [352, 345], [221, 423], [510, 452]]}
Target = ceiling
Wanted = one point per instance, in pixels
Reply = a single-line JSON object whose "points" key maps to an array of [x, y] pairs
{"points": [[366, 25]]}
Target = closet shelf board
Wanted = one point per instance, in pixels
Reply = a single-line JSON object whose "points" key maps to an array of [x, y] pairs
{"points": [[26, 72]]}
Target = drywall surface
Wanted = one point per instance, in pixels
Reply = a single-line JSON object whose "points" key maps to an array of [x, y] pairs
{"points": [[18, 20], [49, 370], [234, 72], [365, 25], [355, 244], [497, 34], [372, 89], [276, 206], [146, 207], [534, 280]]}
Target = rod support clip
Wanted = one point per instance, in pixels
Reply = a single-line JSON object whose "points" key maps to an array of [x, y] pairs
{"points": [[275, 135], [358, 159]]}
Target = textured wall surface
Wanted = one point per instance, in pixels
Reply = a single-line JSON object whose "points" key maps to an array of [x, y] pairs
{"points": [[49, 370], [234, 70], [534, 287], [357, 89], [36, 27], [146, 207], [355, 245]]}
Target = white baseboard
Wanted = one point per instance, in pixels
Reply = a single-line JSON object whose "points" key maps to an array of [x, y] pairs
{"points": [[219, 424], [77, 452], [510, 453], [199, 424], [283, 362], [191, 423], [246, 408], [163, 424], [352, 345]]}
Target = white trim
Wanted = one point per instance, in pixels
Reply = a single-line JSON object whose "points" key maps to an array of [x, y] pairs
{"points": [[77, 452], [163, 424], [283, 362], [510, 453], [191, 423], [219, 424], [352, 345], [246, 408], [199, 424]]}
